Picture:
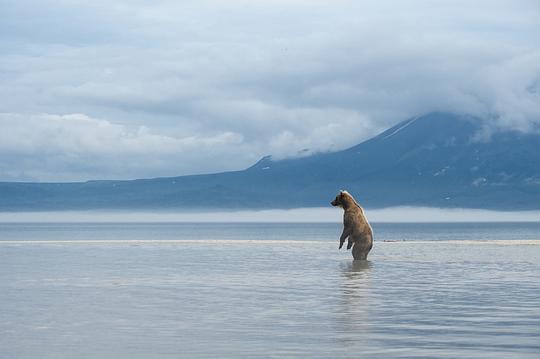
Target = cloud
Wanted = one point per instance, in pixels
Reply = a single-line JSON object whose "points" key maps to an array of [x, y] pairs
{"points": [[276, 77], [78, 146]]}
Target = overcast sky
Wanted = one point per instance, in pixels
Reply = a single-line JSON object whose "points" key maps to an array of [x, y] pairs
{"points": [[129, 89]]}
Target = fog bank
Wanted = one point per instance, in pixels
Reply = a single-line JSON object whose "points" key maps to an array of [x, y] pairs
{"points": [[314, 215]]}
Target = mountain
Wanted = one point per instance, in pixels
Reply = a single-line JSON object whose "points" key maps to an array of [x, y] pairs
{"points": [[439, 159]]}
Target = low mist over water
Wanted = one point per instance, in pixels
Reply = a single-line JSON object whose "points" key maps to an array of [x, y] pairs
{"points": [[323, 214]]}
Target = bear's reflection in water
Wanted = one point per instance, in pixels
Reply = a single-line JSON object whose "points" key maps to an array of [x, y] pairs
{"points": [[356, 298]]}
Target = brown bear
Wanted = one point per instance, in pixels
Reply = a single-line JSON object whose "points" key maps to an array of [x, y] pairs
{"points": [[355, 226]]}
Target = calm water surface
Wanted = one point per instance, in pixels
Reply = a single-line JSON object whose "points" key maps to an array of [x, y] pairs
{"points": [[268, 291]]}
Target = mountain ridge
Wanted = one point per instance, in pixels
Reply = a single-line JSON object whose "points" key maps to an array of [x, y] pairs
{"points": [[429, 160]]}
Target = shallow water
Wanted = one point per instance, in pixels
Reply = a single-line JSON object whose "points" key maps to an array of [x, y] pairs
{"points": [[268, 291]]}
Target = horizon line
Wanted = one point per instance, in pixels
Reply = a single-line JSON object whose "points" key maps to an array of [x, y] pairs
{"points": [[397, 214]]}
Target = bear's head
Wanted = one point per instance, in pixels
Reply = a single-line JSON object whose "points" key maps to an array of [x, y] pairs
{"points": [[340, 199], [344, 200]]}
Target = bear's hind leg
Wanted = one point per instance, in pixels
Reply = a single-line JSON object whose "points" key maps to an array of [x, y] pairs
{"points": [[360, 252]]}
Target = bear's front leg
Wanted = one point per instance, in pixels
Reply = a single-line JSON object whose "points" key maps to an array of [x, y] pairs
{"points": [[344, 235]]}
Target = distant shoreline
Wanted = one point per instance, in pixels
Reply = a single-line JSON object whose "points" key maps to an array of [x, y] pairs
{"points": [[298, 215]]}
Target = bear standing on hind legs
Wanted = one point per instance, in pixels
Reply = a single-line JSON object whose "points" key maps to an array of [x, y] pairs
{"points": [[355, 226]]}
